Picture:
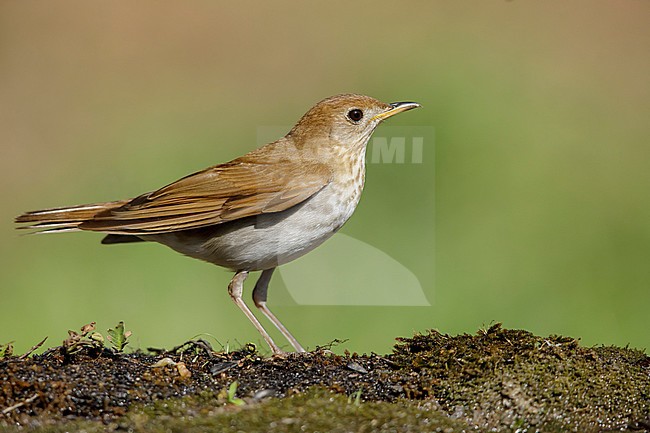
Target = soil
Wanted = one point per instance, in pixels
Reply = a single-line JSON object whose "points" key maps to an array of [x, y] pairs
{"points": [[494, 380]]}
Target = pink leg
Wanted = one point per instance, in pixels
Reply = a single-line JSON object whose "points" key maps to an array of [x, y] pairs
{"points": [[259, 297], [235, 289]]}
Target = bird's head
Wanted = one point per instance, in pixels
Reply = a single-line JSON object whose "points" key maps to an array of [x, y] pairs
{"points": [[344, 121]]}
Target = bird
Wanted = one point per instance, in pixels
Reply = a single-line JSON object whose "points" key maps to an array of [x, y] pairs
{"points": [[253, 213]]}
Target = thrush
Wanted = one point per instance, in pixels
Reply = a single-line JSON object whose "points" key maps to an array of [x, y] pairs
{"points": [[256, 212]]}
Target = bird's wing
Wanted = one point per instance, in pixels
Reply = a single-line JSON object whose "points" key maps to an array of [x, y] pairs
{"points": [[226, 192]]}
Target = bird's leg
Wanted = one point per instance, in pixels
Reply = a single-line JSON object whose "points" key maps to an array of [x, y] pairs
{"points": [[259, 297], [235, 289]]}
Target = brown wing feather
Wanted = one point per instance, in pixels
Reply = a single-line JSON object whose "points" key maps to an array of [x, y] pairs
{"points": [[238, 189]]}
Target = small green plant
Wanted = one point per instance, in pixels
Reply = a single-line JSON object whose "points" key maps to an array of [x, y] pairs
{"points": [[6, 350], [356, 397], [118, 337], [231, 395], [87, 338]]}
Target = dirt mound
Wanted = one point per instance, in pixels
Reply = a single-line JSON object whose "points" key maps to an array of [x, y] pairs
{"points": [[494, 380]]}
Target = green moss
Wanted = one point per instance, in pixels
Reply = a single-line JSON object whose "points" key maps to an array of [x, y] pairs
{"points": [[316, 410], [512, 379]]}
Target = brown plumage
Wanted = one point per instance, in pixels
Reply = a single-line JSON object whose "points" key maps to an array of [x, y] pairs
{"points": [[253, 184], [255, 212]]}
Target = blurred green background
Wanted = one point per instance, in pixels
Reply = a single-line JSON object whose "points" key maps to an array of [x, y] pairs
{"points": [[531, 206]]}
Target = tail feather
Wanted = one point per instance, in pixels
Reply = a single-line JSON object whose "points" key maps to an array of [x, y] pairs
{"points": [[64, 219]]}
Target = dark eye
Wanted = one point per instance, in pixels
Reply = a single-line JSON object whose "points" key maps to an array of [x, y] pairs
{"points": [[355, 115]]}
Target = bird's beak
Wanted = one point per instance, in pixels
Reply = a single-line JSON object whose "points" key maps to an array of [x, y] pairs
{"points": [[395, 108]]}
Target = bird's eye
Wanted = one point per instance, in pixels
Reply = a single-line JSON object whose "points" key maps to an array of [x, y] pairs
{"points": [[355, 115]]}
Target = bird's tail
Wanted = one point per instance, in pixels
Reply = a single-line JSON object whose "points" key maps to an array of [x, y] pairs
{"points": [[64, 219]]}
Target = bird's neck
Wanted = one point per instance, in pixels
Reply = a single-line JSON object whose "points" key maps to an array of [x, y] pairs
{"points": [[350, 172]]}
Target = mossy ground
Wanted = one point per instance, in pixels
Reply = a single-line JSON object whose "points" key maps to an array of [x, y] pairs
{"points": [[496, 380]]}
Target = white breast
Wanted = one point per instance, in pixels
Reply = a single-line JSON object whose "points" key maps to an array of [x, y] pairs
{"points": [[269, 240]]}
